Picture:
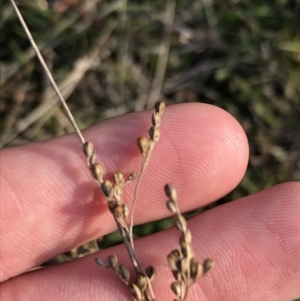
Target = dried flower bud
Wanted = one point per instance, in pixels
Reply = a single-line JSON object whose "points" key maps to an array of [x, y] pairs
{"points": [[171, 192], [208, 264], [160, 107], [150, 272], [107, 188], [135, 292], [119, 178], [176, 288]]}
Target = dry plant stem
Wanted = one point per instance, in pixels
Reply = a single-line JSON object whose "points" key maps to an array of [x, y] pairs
{"points": [[146, 146], [70, 116], [164, 50]]}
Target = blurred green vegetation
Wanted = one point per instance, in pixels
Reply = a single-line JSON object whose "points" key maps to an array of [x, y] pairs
{"points": [[243, 56]]}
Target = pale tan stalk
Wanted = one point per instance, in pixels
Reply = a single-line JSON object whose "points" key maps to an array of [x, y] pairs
{"points": [[42, 61]]}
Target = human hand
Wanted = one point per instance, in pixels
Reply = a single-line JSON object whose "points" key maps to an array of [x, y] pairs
{"points": [[50, 204]]}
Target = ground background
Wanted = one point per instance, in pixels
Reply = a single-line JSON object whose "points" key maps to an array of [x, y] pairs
{"points": [[113, 57]]}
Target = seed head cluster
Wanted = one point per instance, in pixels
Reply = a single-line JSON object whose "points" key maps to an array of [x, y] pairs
{"points": [[185, 269]]}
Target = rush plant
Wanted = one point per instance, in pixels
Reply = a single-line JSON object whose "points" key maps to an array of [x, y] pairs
{"points": [[185, 269]]}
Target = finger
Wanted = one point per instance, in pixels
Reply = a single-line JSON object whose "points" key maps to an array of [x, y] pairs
{"points": [[254, 242], [51, 204]]}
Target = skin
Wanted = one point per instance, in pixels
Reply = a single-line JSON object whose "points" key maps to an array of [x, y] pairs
{"points": [[50, 204]]}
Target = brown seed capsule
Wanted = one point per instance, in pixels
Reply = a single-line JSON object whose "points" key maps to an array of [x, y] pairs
{"points": [[160, 107], [141, 282], [156, 119], [177, 275], [186, 248], [107, 188], [101, 262], [135, 292], [125, 210], [88, 149], [112, 205], [118, 211], [183, 266], [150, 272], [119, 178], [113, 262], [154, 133], [171, 206], [196, 270], [143, 144], [208, 264], [176, 288], [132, 177], [117, 192], [181, 224], [97, 172], [173, 259], [124, 272], [188, 235], [178, 225], [170, 192]]}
